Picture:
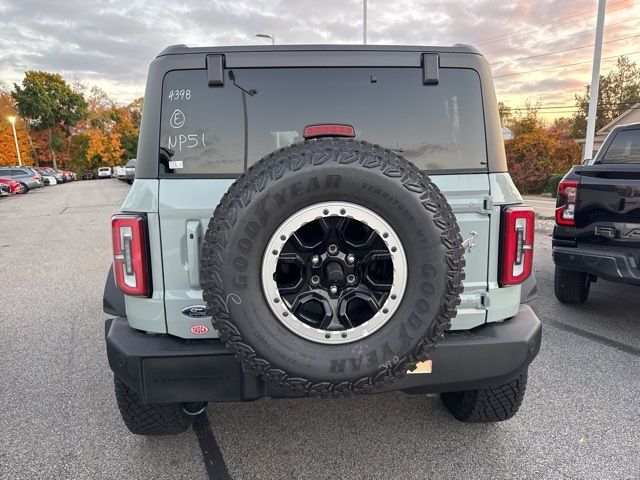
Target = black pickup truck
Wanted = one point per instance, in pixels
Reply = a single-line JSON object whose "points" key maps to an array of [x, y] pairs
{"points": [[597, 232]]}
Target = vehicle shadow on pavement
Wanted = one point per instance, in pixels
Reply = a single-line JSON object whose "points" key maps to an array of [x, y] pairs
{"points": [[390, 435]]}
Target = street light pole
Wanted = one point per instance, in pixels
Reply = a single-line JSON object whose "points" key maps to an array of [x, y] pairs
{"points": [[12, 121], [364, 22], [595, 82], [272, 36]]}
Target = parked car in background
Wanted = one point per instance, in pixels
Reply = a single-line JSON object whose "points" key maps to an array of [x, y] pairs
{"points": [[47, 177], [14, 185], [87, 176], [24, 175], [104, 172], [130, 171], [4, 190], [53, 173], [68, 176], [37, 175], [597, 233], [118, 172]]}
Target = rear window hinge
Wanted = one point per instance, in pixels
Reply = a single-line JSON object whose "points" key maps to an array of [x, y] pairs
{"points": [[430, 69], [215, 70]]}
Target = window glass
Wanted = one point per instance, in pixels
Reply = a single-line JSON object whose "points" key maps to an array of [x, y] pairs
{"points": [[625, 148], [436, 127]]}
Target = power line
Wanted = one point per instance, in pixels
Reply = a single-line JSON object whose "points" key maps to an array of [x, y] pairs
{"points": [[530, 30], [563, 36], [563, 66], [562, 51]]}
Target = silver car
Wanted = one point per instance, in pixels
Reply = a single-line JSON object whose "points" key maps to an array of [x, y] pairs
{"points": [[25, 175]]}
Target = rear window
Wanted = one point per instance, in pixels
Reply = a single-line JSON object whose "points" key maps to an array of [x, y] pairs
{"points": [[625, 148], [437, 127]]}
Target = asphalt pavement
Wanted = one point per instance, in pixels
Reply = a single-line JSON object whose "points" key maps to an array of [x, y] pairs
{"points": [[58, 416], [545, 207]]}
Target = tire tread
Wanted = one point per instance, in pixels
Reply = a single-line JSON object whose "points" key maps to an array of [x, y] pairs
{"points": [[292, 158], [494, 404], [149, 418]]}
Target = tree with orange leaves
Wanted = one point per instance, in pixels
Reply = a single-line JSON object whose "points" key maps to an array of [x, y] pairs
{"points": [[8, 154]]}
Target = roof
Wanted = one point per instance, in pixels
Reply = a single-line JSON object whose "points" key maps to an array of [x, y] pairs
{"points": [[616, 121], [184, 49]]}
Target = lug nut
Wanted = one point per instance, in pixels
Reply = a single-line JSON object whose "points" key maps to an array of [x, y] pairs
{"points": [[315, 259], [315, 279], [333, 289], [333, 249], [351, 279], [351, 258]]}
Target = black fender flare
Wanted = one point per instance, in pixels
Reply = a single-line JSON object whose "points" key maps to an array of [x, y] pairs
{"points": [[113, 298]]}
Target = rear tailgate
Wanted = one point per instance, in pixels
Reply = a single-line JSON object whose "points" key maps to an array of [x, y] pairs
{"points": [[608, 210]]}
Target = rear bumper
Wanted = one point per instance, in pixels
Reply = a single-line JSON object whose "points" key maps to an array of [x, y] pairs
{"points": [[161, 368], [612, 265]]}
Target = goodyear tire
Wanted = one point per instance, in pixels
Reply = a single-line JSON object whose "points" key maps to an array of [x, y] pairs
{"points": [[332, 267], [149, 418]]}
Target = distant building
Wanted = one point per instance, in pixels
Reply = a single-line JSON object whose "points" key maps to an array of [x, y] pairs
{"points": [[507, 134], [630, 116]]}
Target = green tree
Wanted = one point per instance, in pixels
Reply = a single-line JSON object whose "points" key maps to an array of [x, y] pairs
{"points": [[49, 102], [128, 126], [618, 91], [505, 113]]}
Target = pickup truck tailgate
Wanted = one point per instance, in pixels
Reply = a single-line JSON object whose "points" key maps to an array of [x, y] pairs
{"points": [[608, 210]]}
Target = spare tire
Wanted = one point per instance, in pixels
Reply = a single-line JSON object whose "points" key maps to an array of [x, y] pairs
{"points": [[332, 266]]}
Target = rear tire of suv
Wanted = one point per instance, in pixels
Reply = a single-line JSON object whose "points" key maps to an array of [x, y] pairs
{"points": [[494, 404], [25, 189], [571, 287], [150, 418]]}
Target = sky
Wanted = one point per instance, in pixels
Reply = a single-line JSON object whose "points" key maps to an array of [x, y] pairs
{"points": [[109, 43]]}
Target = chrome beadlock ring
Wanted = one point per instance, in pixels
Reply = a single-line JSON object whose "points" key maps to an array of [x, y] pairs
{"points": [[282, 308]]}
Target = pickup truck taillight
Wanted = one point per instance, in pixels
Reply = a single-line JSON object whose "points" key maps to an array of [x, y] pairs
{"points": [[130, 256], [517, 244], [567, 199]]}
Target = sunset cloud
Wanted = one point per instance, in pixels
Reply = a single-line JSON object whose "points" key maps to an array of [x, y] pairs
{"points": [[110, 44]]}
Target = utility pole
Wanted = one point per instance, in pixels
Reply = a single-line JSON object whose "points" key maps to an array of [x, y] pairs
{"points": [[364, 22], [595, 82]]}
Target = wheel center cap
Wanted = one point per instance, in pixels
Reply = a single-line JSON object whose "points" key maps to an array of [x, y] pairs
{"points": [[335, 273]]}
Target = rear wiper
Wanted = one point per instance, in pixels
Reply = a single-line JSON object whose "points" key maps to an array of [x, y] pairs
{"points": [[232, 77]]}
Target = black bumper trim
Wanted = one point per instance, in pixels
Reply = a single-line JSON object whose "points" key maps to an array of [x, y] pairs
{"points": [[162, 368], [615, 266]]}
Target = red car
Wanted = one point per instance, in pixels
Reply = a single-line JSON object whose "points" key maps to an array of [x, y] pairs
{"points": [[14, 186]]}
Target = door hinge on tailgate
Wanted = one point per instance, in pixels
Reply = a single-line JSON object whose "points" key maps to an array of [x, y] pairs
{"points": [[487, 205], [480, 301], [480, 204]]}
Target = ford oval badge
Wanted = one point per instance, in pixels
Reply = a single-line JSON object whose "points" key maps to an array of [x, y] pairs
{"points": [[195, 311]]}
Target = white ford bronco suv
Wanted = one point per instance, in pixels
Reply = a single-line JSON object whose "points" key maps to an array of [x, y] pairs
{"points": [[319, 221]]}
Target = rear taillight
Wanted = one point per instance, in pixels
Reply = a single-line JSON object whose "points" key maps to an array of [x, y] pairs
{"points": [[567, 199], [517, 244], [329, 130], [130, 258]]}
